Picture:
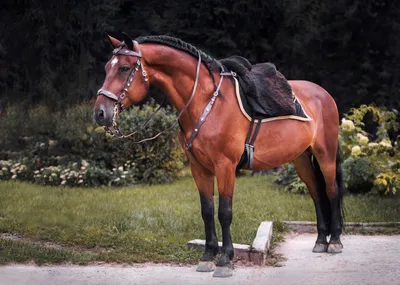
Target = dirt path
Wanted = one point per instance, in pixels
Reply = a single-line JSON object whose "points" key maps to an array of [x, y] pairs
{"points": [[365, 260]]}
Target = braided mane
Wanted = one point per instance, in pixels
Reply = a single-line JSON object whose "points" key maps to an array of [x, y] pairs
{"points": [[178, 44]]}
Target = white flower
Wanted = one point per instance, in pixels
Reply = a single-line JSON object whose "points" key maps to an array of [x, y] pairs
{"points": [[347, 125], [123, 176], [121, 168], [63, 182], [80, 181], [363, 140], [385, 143], [355, 150], [85, 163], [14, 176], [373, 144]]}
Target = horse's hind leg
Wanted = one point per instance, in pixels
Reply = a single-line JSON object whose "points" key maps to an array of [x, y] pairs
{"points": [[205, 183], [329, 161], [312, 178]]}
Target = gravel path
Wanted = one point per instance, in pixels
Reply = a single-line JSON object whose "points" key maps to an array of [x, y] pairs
{"points": [[365, 260]]}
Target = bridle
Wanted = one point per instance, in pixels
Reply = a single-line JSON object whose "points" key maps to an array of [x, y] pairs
{"points": [[118, 107]]}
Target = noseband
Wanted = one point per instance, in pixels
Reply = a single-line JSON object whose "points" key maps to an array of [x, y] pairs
{"points": [[118, 107]]}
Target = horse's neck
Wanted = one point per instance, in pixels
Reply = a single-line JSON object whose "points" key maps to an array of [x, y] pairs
{"points": [[174, 72]]}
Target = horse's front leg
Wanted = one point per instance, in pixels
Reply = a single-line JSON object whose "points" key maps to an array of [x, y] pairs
{"points": [[225, 172], [205, 183]]}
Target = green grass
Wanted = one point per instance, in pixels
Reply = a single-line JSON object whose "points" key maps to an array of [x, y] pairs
{"points": [[154, 223], [21, 252]]}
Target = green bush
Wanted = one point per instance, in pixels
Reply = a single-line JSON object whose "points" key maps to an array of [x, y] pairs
{"points": [[367, 160], [68, 148], [359, 174], [287, 176], [387, 183]]}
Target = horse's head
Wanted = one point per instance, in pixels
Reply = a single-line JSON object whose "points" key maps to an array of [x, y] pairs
{"points": [[126, 81]]}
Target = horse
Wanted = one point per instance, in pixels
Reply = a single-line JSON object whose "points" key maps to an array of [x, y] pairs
{"points": [[184, 74]]}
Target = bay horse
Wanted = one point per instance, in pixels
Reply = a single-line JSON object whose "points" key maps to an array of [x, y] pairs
{"points": [[183, 73]]}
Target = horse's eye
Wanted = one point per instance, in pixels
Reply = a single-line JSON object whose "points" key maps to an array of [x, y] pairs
{"points": [[124, 69]]}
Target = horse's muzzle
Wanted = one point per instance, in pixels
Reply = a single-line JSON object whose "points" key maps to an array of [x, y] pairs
{"points": [[103, 116]]}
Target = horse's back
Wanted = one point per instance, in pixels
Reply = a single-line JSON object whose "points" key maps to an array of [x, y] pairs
{"points": [[315, 99], [307, 88]]}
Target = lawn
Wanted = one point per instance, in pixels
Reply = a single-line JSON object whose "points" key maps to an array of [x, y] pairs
{"points": [[150, 223]]}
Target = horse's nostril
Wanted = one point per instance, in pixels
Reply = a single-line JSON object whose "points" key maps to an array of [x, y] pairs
{"points": [[100, 114]]}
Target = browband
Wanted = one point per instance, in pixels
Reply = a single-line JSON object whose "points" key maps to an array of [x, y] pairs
{"points": [[121, 51]]}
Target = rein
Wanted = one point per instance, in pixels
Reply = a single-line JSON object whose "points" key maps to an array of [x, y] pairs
{"points": [[118, 107]]}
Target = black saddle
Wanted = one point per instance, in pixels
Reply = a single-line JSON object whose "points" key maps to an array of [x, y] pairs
{"points": [[266, 90]]}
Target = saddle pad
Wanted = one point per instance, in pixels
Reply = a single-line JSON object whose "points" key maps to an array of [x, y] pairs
{"points": [[245, 108]]}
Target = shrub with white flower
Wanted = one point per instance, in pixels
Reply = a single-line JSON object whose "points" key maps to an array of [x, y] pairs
{"points": [[13, 170], [69, 149], [379, 154]]}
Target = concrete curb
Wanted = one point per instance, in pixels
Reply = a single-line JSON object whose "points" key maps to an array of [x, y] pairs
{"points": [[311, 227], [256, 253]]}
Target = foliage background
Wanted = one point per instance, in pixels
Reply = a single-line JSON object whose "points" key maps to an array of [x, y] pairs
{"points": [[53, 52], [52, 55]]}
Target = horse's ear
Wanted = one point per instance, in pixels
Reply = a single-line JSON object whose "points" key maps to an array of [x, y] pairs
{"points": [[128, 41], [113, 41]]}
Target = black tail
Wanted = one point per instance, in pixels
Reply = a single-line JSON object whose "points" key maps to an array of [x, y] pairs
{"points": [[340, 182]]}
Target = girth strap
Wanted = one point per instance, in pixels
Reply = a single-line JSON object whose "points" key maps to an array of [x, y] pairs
{"points": [[248, 154]]}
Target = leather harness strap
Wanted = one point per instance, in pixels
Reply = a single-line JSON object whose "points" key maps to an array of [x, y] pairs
{"points": [[248, 154], [206, 111]]}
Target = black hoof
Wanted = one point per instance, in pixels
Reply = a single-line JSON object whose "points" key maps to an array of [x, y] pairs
{"points": [[205, 266]]}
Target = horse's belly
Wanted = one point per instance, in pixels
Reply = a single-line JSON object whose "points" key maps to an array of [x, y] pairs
{"points": [[281, 141]]}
